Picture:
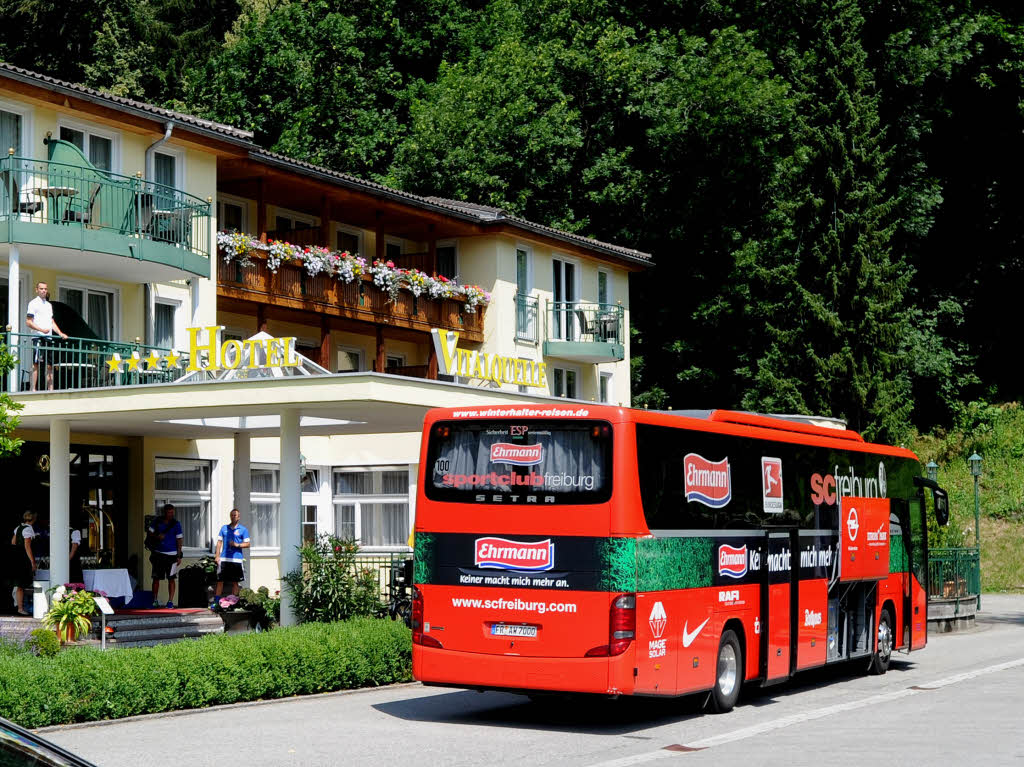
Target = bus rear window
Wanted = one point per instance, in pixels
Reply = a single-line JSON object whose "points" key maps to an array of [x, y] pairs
{"points": [[532, 462]]}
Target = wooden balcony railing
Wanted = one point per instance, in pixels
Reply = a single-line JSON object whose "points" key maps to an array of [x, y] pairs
{"points": [[291, 287]]}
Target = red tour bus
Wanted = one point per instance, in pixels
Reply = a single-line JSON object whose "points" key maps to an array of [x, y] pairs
{"points": [[598, 549]]}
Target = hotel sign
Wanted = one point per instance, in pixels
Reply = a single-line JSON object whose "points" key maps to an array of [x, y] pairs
{"points": [[212, 355], [455, 361]]}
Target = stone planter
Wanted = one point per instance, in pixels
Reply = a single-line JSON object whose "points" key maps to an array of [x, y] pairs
{"points": [[238, 621]]}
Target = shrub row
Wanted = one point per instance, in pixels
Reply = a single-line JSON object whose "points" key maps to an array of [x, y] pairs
{"points": [[85, 684]]}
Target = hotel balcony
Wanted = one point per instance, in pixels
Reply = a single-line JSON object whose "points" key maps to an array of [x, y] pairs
{"points": [[579, 332], [86, 363], [243, 283], [64, 204]]}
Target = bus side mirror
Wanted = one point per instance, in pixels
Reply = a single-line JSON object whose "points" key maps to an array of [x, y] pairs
{"points": [[941, 506]]}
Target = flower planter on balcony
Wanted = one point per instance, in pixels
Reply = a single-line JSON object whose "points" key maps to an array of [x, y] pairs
{"points": [[292, 287]]}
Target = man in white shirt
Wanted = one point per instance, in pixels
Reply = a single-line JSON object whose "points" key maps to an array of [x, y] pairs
{"points": [[40, 321]]}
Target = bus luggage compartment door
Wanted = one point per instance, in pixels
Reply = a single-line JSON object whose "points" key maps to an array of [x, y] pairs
{"points": [[778, 605], [659, 623]]}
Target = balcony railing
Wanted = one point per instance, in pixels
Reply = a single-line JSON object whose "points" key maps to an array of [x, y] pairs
{"points": [[292, 287], [591, 323], [527, 309], [82, 363], [91, 209]]}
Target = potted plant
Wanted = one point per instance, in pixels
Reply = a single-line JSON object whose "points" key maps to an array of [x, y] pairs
{"points": [[71, 608], [196, 581]]}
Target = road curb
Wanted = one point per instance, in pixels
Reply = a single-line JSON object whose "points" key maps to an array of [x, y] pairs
{"points": [[244, 704]]}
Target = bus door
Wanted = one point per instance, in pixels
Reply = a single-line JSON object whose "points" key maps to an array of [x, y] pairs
{"points": [[779, 604], [915, 591]]}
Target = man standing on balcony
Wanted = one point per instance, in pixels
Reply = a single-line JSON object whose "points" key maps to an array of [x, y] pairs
{"points": [[40, 321]]}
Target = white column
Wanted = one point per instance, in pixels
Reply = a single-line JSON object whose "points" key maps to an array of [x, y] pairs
{"points": [[193, 291], [291, 507], [242, 481], [14, 308], [60, 527]]}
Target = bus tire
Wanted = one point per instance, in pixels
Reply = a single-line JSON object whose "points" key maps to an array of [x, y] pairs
{"points": [[883, 650], [728, 673]]}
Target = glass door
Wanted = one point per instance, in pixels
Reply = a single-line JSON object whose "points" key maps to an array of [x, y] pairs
{"points": [[563, 289]]}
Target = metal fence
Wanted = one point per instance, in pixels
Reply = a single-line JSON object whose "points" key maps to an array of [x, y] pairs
{"points": [[572, 321], [384, 566], [954, 575], [83, 363]]}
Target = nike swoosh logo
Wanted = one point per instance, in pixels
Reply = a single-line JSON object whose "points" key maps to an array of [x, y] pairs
{"points": [[689, 636]]}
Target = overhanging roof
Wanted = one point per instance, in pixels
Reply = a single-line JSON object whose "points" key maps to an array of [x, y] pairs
{"points": [[365, 403]]}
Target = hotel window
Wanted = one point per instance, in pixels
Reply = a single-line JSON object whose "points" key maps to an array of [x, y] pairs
{"points": [[606, 387], [447, 259], [10, 132], [372, 505], [98, 149], [292, 222], [96, 307], [186, 484], [348, 240], [604, 291], [350, 359], [393, 250], [232, 214], [526, 306], [163, 324], [265, 507], [563, 383]]}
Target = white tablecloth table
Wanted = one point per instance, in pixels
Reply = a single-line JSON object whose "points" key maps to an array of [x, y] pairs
{"points": [[115, 582]]}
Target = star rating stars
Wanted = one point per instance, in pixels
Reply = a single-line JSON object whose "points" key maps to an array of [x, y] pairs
{"points": [[134, 362]]}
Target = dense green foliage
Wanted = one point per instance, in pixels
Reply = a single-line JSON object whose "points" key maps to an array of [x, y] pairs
{"points": [[997, 435], [826, 185], [81, 685], [330, 584]]}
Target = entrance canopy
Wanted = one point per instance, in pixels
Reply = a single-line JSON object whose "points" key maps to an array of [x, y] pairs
{"points": [[283, 407]]}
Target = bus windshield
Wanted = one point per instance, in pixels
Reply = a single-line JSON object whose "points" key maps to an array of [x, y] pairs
{"points": [[533, 462]]}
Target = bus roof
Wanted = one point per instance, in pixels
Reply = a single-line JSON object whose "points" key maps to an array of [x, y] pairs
{"points": [[795, 429]]}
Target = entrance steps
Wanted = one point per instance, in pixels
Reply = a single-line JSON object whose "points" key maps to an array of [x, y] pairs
{"points": [[143, 628]]}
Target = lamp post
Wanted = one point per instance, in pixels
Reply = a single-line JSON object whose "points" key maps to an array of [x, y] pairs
{"points": [[975, 462], [932, 469]]}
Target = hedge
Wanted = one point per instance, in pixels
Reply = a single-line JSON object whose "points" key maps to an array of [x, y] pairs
{"points": [[85, 684]]}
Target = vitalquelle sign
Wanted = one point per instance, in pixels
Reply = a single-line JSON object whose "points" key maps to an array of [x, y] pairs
{"points": [[453, 360]]}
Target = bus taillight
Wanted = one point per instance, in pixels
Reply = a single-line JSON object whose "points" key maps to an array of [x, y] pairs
{"points": [[621, 627], [418, 637]]}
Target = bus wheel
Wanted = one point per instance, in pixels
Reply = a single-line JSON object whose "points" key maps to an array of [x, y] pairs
{"points": [[880, 660], [729, 674]]}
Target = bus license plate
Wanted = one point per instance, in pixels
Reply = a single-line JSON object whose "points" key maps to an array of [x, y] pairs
{"points": [[505, 630]]}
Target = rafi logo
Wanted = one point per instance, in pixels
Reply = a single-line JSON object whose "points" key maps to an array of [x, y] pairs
{"points": [[732, 562], [503, 554], [518, 455], [729, 596], [771, 484], [658, 620], [707, 482], [852, 525]]}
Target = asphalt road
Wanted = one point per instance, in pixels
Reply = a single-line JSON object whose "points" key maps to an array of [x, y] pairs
{"points": [[960, 701]]}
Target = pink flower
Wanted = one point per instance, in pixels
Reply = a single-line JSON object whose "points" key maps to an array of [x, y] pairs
{"points": [[390, 264]]}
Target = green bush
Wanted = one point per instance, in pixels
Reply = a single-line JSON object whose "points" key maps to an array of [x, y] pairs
{"points": [[43, 642], [88, 685], [329, 585]]}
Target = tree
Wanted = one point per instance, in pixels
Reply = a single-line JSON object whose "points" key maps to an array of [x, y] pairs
{"points": [[827, 285]]}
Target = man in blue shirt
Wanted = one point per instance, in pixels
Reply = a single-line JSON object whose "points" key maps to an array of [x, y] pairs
{"points": [[231, 539], [164, 539]]}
